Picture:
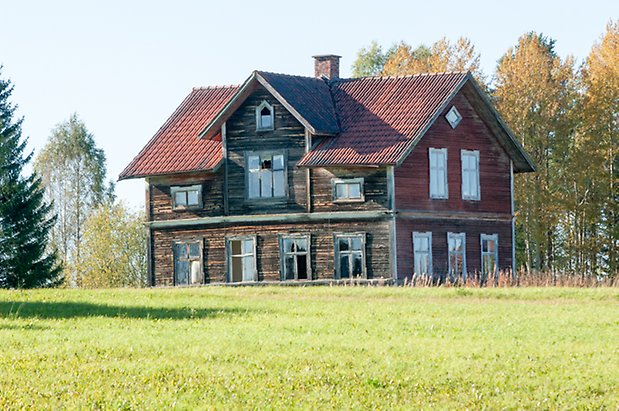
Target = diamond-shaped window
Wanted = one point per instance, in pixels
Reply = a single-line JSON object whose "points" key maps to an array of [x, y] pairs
{"points": [[453, 117]]}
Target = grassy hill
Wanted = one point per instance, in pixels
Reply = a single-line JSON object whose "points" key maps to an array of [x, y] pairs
{"points": [[316, 347]]}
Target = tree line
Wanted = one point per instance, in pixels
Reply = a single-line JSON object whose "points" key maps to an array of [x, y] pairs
{"points": [[566, 115], [62, 225]]}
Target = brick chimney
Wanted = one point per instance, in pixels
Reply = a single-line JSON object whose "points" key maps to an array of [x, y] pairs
{"points": [[327, 66]]}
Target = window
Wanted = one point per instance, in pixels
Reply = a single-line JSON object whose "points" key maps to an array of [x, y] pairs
{"points": [[470, 174], [457, 256], [242, 259], [348, 190], [453, 117], [264, 116], [350, 255], [489, 256], [295, 257], [422, 253], [186, 197], [438, 173], [188, 263], [266, 175]]}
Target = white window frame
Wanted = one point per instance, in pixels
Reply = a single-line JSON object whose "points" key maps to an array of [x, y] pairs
{"points": [[264, 174], [453, 117], [417, 254], [230, 256], [470, 175], [190, 259], [337, 253], [186, 189], [451, 236], [284, 253], [259, 125], [346, 182], [434, 170], [489, 237]]}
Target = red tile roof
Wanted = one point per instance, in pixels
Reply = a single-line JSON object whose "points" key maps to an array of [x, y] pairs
{"points": [[382, 118], [371, 121], [176, 147]]}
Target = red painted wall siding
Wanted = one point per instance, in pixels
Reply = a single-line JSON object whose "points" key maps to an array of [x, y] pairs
{"points": [[439, 229], [412, 178]]}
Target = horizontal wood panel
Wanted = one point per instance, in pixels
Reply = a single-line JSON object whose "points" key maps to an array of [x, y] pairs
{"points": [[241, 136], [212, 196], [322, 251], [374, 188]]}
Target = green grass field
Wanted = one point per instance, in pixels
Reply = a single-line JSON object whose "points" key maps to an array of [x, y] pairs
{"points": [[316, 347]]}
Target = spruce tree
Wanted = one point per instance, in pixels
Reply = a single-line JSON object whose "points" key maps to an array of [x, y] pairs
{"points": [[25, 218]]}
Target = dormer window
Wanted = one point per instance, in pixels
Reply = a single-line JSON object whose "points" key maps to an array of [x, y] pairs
{"points": [[453, 117], [264, 116]]}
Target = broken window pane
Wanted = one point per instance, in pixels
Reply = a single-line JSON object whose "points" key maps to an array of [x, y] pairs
{"points": [[180, 198]]}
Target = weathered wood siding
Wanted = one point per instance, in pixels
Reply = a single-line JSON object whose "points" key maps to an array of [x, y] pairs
{"points": [[374, 188], [268, 260], [241, 136], [439, 229], [212, 196], [412, 178]]}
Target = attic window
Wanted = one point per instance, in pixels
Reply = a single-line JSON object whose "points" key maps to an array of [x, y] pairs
{"points": [[453, 117], [264, 116]]}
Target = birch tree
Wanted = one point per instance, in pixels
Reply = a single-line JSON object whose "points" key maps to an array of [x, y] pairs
{"points": [[535, 93], [73, 171]]}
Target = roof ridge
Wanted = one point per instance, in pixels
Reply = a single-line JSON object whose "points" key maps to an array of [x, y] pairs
{"points": [[289, 75], [216, 87], [428, 74]]}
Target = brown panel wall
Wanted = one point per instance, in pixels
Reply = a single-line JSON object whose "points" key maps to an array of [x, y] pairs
{"points": [[212, 196], [412, 178], [241, 136], [322, 254], [374, 187], [439, 229]]}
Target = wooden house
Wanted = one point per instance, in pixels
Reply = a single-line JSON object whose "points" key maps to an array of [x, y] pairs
{"points": [[291, 178]]}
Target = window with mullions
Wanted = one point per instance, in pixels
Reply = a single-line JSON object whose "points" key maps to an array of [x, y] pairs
{"points": [[348, 190], [266, 175], [242, 259], [422, 253], [295, 257], [186, 197], [489, 255], [264, 116], [350, 255], [188, 263], [470, 174], [438, 173], [457, 256]]}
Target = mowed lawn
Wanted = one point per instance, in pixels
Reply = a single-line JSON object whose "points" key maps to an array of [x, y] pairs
{"points": [[315, 347]]}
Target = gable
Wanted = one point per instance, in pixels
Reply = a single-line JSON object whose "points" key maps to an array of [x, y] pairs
{"points": [[307, 99]]}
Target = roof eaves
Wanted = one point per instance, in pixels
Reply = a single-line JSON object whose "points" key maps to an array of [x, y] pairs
{"points": [[508, 131], [223, 114]]}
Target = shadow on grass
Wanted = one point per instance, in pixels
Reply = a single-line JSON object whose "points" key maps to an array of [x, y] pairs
{"points": [[73, 309]]}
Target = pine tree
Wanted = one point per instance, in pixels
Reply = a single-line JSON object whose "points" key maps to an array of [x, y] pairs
{"points": [[25, 220]]}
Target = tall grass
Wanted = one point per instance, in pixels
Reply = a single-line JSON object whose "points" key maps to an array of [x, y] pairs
{"points": [[521, 279]]}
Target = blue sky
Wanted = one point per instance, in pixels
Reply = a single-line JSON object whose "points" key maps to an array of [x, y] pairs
{"points": [[124, 66]]}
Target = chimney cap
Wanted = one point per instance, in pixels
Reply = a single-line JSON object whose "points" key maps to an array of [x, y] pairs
{"points": [[326, 56]]}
